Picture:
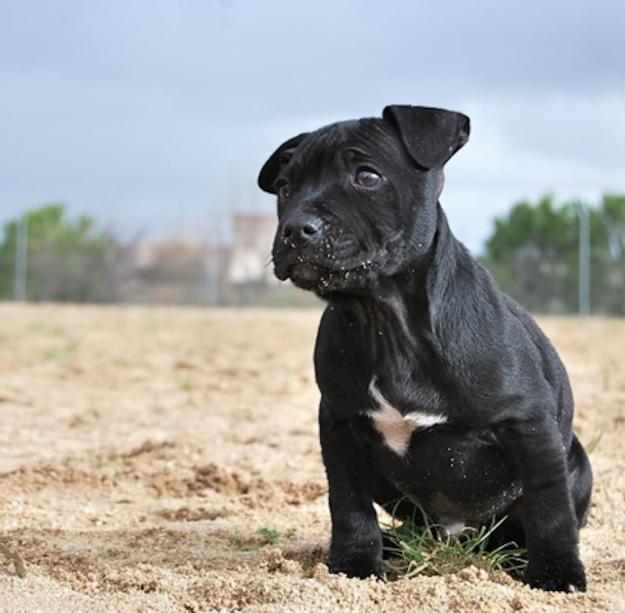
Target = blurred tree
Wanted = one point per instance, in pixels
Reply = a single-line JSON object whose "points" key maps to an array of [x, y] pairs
{"points": [[534, 254], [68, 260]]}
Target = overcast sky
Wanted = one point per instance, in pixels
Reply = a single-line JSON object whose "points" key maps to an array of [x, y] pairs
{"points": [[155, 116]]}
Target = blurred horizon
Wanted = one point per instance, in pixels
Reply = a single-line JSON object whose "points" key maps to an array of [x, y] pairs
{"points": [[551, 256], [155, 118]]}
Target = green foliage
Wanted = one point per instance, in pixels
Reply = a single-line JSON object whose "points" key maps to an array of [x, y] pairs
{"points": [[68, 260], [534, 254], [420, 547]]}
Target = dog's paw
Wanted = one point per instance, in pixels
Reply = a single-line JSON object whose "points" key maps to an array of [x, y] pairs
{"points": [[357, 566], [557, 574]]}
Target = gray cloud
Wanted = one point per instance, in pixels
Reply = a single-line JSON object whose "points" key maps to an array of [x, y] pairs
{"points": [[157, 115]]}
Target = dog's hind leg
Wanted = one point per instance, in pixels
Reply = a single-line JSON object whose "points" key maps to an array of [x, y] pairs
{"points": [[580, 482], [580, 479]]}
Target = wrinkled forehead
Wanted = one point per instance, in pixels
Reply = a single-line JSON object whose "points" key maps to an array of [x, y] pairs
{"points": [[373, 137]]}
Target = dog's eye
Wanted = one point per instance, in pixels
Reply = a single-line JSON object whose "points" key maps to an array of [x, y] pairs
{"points": [[283, 190], [365, 177]]}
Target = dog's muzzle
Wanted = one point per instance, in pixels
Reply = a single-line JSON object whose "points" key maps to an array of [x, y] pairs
{"points": [[298, 250], [322, 257]]}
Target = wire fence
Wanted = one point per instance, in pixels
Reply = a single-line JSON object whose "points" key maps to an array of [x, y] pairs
{"points": [[190, 274], [564, 260], [111, 272]]}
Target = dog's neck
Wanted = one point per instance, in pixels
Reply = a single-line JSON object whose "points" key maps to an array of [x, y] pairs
{"points": [[407, 301], [413, 320]]}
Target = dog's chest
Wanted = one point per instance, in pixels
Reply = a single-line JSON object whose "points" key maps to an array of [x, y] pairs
{"points": [[394, 423], [457, 473]]}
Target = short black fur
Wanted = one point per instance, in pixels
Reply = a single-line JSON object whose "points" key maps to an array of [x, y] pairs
{"points": [[414, 320]]}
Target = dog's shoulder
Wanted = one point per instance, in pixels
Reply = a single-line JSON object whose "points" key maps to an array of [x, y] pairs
{"points": [[340, 330], [342, 360]]}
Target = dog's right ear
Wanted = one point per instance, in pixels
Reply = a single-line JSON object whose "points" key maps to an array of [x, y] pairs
{"points": [[277, 159]]}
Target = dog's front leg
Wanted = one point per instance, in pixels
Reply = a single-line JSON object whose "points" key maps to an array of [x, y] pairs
{"points": [[549, 520], [356, 547]]}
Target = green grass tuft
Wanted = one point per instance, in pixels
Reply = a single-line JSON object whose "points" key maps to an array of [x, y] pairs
{"points": [[266, 536], [420, 547], [593, 443], [243, 544], [186, 384], [269, 535], [61, 353]]}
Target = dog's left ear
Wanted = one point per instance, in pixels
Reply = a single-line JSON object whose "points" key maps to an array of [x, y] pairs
{"points": [[431, 136], [278, 158]]}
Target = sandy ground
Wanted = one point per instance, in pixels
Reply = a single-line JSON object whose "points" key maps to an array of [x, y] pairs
{"points": [[167, 460]]}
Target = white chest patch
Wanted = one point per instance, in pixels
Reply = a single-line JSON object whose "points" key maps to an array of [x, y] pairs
{"points": [[395, 428]]}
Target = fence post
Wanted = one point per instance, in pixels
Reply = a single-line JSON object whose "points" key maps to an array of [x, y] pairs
{"points": [[583, 215], [21, 259]]}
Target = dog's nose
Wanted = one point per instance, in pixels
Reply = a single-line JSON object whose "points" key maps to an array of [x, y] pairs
{"points": [[302, 230]]}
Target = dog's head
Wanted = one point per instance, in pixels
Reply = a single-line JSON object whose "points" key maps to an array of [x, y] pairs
{"points": [[357, 200]]}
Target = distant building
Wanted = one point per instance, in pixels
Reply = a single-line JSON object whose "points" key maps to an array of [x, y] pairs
{"points": [[250, 258], [238, 273], [172, 272]]}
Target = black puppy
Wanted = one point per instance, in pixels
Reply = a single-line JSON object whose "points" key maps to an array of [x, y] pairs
{"points": [[433, 382]]}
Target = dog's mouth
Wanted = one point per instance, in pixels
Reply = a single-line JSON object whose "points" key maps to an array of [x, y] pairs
{"points": [[332, 270], [304, 272], [306, 275], [314, 275]]}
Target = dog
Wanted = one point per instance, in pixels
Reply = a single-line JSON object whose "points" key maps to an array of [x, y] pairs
{"points": [[435, 385]]}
